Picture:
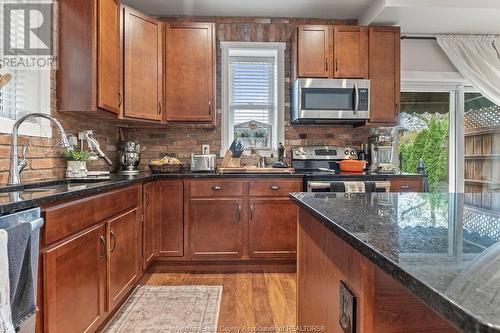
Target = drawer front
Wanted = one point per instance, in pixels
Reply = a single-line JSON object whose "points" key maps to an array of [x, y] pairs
{"points": [[274, 187], [74, 216], [217, 188], [407, 185]]}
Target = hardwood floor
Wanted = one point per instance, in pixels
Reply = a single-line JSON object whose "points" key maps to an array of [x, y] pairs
{"points": [[249, 300]]}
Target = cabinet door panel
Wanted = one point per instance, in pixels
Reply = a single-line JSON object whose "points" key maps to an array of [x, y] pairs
{"points": [[75, 283], [189, 68], [108, 48], [314, 52], [169, 203], [350, 52], [384, 74], [148, 226], [142, 66], [124, 255], [272, 228], [216, 228]]}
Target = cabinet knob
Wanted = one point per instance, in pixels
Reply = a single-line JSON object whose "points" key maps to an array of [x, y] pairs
{"points": [[274, 188], [216, 188]]}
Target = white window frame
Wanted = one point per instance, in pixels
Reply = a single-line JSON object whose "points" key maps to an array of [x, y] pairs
{"points": [[40, 90], [280, 79], [456, 86]]}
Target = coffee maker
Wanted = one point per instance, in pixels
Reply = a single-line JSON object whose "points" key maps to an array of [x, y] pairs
{"points": [[130, 156], [382, 150]]}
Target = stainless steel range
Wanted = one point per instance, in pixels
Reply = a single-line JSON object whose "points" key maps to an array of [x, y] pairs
{"points": [[322, 173]]}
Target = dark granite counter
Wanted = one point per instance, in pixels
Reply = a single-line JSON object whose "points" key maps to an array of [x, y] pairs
{"points": [[15, 198], [444, 252]]}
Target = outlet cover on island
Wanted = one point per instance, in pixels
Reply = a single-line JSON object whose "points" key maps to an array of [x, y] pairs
{"points": [[205, 149]]}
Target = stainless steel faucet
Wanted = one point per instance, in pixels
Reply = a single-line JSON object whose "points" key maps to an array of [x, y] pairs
{"points": [[17, 166]]}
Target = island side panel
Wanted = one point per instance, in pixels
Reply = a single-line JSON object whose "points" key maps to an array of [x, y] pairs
{"points": [[383, 304], [323, 260]]}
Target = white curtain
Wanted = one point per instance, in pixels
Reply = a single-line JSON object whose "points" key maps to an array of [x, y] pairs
{"points": [[477, 58]]}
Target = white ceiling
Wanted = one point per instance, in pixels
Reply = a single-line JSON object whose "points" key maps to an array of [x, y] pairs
{"points": [[414, 16], [339, 9]]}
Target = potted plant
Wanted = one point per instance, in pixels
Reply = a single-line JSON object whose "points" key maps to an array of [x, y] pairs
{"points": [[76, 163]]}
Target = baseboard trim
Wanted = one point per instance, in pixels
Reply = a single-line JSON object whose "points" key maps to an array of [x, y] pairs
{"points": [[224, 266]]}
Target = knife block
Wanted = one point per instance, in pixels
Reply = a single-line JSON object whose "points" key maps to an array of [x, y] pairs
{"points": [[229, 161]]}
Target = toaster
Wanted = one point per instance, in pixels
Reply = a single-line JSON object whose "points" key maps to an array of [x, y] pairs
{"points": [[202, 162]]}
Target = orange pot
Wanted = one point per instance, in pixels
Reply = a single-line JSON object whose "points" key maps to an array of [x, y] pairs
{"points": [[352, 165]]}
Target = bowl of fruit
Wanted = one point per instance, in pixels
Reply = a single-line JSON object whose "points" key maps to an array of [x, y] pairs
{"points": [[166, 164]]}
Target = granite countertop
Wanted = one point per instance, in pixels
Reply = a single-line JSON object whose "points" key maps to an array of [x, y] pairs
{"points": [[15, 198], [445, 252]]}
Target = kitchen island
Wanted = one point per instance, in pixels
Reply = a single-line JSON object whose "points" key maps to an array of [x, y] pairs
{"points": [[414, 262]]}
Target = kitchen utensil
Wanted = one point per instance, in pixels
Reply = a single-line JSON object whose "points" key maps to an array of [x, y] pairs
{"points": [[4, 79], [130, 156], [351, 165], [270, 160], [236, 148]]}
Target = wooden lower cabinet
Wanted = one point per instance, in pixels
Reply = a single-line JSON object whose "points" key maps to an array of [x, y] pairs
{"points": [[169, 218], [272, 228], [74, 277], [408, 184], [124, 240], [216, 228], [148, 228]]}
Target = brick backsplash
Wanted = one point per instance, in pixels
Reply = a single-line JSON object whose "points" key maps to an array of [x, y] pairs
{"points": [[45, 162], [182, 141]]}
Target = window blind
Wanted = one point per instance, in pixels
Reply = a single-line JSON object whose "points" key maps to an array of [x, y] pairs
{"points": [[252, 89]]}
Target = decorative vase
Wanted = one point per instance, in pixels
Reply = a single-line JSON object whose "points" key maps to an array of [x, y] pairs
{"points": [[76, 169]]}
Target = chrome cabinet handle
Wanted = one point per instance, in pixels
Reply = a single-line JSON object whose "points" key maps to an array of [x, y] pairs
{"points": [[103, 247], [405, 187], [112, 234], [216, 188], [209, 107], [274, 188], [356, 99]]}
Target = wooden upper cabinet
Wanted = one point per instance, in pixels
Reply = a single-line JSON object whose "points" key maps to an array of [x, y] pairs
{"points": [[108, 48], [88, 74], [124, 240], [190, 72], [74, 283], [350, 51], [314, 54], [385, 74], [142, 73]]}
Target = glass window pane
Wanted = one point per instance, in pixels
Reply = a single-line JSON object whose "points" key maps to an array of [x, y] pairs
{"points": [[424, 134], [482, 151]]}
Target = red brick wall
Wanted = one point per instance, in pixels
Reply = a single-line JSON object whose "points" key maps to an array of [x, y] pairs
{"points": [[181, 142]]}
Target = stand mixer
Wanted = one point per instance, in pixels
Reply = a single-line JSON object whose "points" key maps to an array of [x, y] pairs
{"points": [[130, 157]]}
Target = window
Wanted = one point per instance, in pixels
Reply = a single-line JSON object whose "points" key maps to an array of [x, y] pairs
{"points": [[27, 92], [253, 95]]}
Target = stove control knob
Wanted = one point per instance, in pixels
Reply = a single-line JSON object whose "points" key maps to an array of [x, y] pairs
{"points": [[297, 152], [353, 153], [346, 152]]}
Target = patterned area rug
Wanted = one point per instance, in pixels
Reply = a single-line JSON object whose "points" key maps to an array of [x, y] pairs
{"points": [[169, 309]]}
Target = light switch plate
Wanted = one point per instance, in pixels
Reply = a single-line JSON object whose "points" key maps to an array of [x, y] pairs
{"points": [[347, 309]]}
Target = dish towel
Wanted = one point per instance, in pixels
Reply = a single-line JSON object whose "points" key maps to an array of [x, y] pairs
{"points": [[22, 293], [6, 325]]}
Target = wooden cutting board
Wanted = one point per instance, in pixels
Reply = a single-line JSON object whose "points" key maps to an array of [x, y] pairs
{"points": [[256, 170]]}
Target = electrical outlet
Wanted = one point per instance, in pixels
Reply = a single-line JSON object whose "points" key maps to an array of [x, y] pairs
{"points": [[81, 135], [205, 149], [73, 141], [347, 309]]}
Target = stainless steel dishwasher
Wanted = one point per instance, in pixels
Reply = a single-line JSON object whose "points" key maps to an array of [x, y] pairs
{"points": [[33, 217]]}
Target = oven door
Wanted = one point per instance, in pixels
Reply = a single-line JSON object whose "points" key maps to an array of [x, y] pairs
{"points": [[325, 186], [323, 100]]}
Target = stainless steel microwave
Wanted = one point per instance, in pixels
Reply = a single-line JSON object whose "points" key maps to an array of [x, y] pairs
{"points": [[330, 101]]}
